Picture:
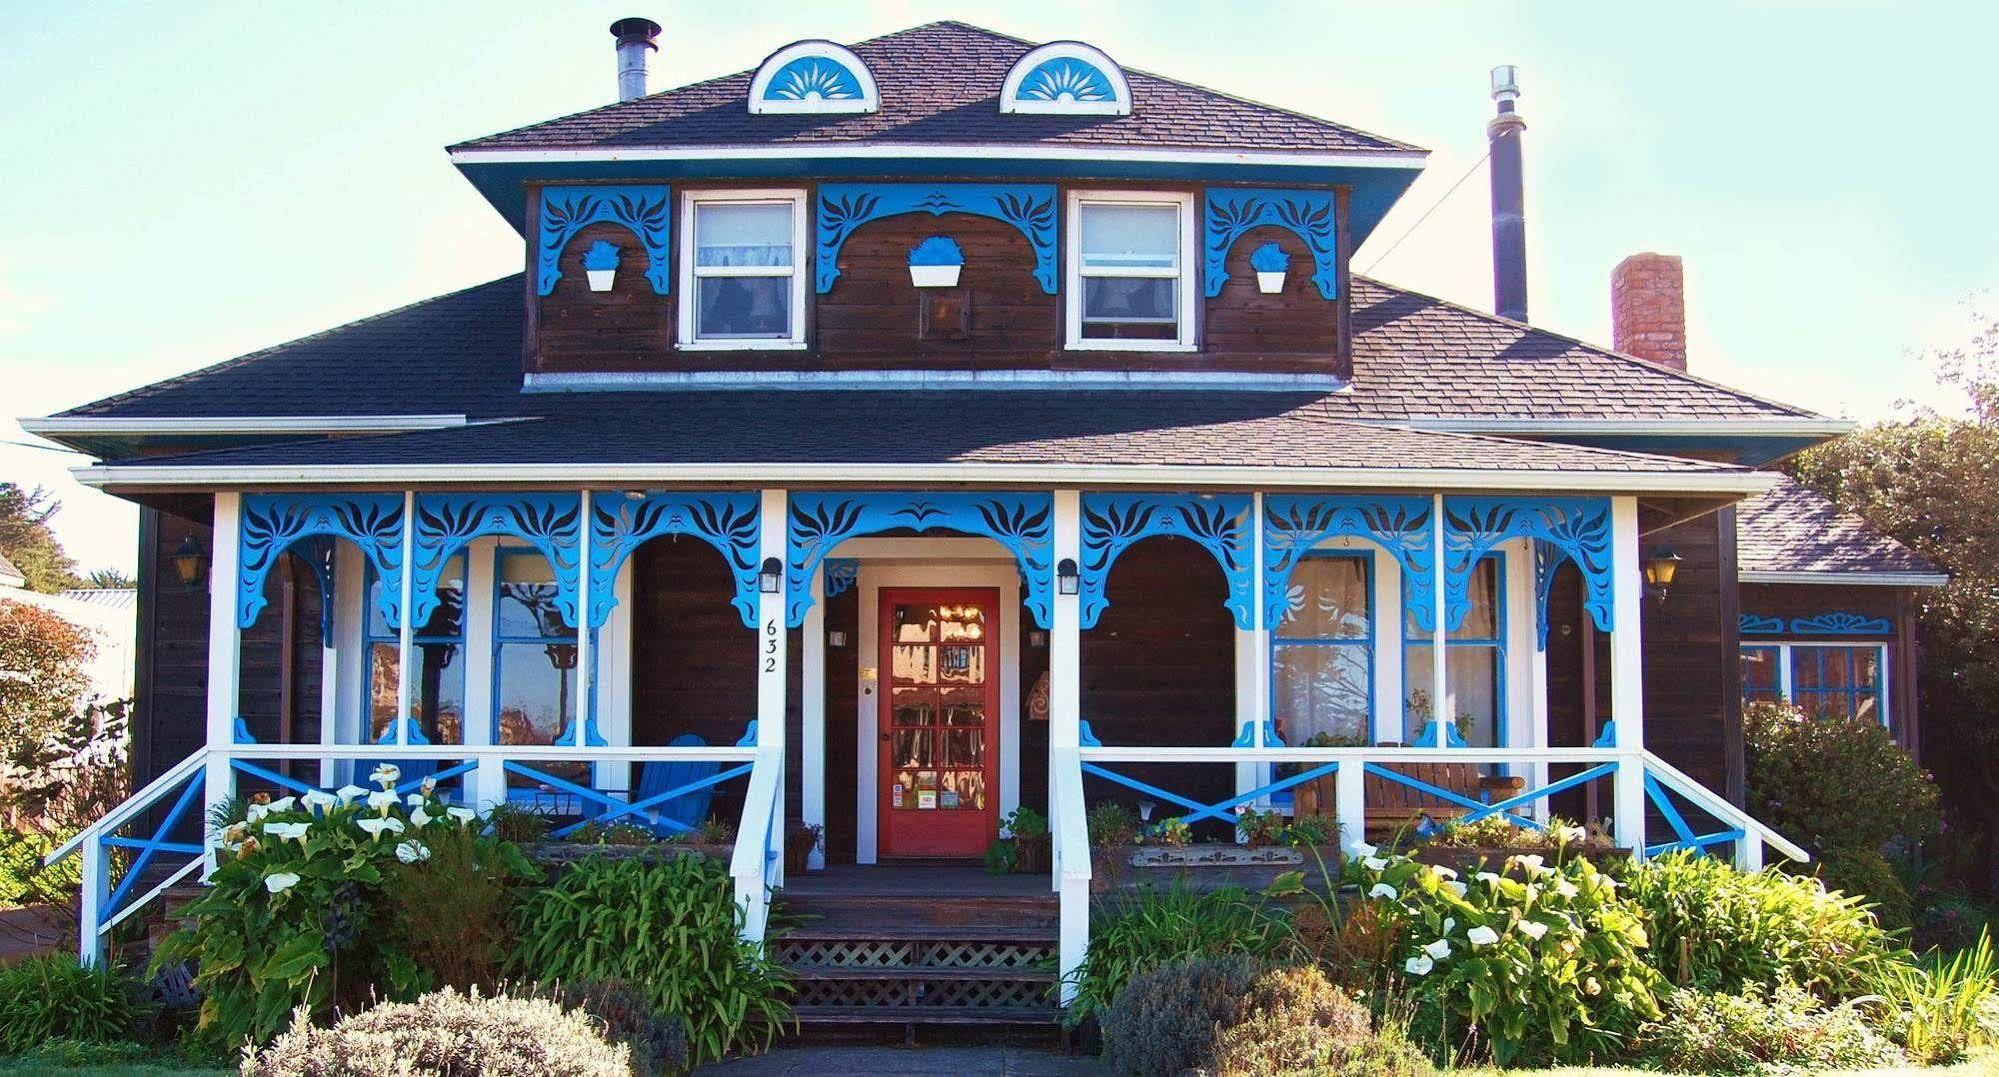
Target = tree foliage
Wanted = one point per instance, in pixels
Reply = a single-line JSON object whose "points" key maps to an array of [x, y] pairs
{"points": [[1932, 481], [28, 542], [61, 749]]}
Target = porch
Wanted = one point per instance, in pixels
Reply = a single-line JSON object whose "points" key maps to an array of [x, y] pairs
{"points": [[904, 668]]}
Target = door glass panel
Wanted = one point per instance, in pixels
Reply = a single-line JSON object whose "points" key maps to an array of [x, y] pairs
{"points": [[938, 707]]}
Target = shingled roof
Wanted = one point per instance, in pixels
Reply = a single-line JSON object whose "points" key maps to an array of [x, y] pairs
{"points": [[940, 84], [1415, 357], [1793, 531]]}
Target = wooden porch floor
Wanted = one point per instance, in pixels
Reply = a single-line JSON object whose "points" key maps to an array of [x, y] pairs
{"points": [[914, 879]]}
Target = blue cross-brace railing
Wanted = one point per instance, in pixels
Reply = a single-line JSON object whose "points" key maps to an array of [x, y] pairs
{"points": [[151, 847]]}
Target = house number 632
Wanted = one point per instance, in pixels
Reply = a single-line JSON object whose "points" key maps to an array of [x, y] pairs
{"points": [[770, 646]]}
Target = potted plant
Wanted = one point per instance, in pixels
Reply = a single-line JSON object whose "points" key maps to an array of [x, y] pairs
{"points": [[798, 846], [935, 262], [1029, 830], [1114, 833], [1491, 841], [600, 264], [1270, 263]]}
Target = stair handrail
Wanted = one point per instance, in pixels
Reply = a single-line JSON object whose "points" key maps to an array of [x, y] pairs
{"points": [[131, 806], [757, 836], [1072, 870], [1753, 829]]}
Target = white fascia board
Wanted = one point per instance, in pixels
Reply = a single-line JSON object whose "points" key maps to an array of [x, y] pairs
{"points": [[1654, 427], [1391, 159], [1847, 579], [902, 475], [119, 426]]}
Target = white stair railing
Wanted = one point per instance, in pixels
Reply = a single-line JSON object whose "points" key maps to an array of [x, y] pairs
{"points": [[1071, 842]]}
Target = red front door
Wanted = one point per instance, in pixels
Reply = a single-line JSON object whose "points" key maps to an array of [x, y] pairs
{"points": [[939, 734]]}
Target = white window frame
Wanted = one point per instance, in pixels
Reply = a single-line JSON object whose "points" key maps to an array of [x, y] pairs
{"points": [[1783, 647], [690, 307], [1188, 273]]}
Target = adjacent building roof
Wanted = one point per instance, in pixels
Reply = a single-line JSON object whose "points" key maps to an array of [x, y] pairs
{"points": [[9, 575], [109, 598], [940, 84], [1791, 534], [1415, 357]]}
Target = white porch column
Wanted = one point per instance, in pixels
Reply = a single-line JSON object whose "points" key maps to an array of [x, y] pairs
{"points": [[488, 786], [1442, 713], [225, 652], [1627, 683], [1252, 660], [406, 631], [771, 660], [812, 712], [586, 666], [1065, 712]]}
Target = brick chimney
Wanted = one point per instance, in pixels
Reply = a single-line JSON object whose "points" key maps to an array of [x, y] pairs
{"points": [[1648, 309]]}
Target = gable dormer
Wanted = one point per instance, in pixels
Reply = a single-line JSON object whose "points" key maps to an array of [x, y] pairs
{"points": [[944, 203]]}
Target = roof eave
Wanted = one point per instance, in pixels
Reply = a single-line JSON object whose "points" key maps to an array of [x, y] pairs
{"points": [[1847, 577]]}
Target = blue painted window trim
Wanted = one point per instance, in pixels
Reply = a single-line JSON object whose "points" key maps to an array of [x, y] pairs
{"points": [[644, 208], [620, 524], [392, 635], [829, 78], [1400, 524], [1578, 527], [1023, 522], [1750, 624], [1366, 643], [845, 207], [1495, 642], [551, 523], [273, 523], [1830, 623], [501, 554], [1233, 211], [1112, 523]]}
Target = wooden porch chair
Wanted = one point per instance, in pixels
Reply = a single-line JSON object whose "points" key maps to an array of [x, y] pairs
{"points": [[1393, 806], [688, 809]]}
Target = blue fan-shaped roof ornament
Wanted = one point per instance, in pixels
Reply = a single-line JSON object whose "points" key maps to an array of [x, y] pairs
{"points": [[813, 77]]}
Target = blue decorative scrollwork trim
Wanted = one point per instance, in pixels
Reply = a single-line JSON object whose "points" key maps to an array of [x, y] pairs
{"points": [[1547, 559], [646, 209], [272, 523], [1022, 522], [1577, 527], [845, 207], [1113, 522], [1832, 623], [730, 522], [551, 523], [1400, 524], [842, 573], [1233, 211], [317, 551], [1750, 624]]}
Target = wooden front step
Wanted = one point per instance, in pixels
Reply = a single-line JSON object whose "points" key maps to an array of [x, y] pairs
{"points": [[941, 1015]]}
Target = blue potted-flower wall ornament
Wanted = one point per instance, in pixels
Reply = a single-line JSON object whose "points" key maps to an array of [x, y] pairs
{"points": [[935, 262], [600, 264], [1270, 262]]}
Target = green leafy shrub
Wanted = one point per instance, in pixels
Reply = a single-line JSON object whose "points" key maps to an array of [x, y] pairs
{"points": [[1759, 1030], [51, 997], [23, 879], [446, 1032], [1113, 826], [1236, 1014], [1543, 964], [1943, 1008], [294, 914], [1868, 873], [619, 832], [658, 1040], [670, 929], [1560, 838], [447, 913], [517, 825], [1135, 932], [1719, 929]]}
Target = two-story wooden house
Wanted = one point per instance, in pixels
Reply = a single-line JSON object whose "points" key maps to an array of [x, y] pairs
{"points": [[911, 432]]}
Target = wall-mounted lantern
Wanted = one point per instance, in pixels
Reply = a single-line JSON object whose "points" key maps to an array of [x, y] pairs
{"points": [[600, 264], [191, 563], [935, 263], [770, 578], [1067, 580], [1270, 263], [1661, 566]]}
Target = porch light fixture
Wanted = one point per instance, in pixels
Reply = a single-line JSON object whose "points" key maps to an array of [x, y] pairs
{"points": [[191, 563], [771, 577], [1661, 566], [1067, 580]]}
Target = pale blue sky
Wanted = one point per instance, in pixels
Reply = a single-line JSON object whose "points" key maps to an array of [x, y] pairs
{"points": [[184, 182]]}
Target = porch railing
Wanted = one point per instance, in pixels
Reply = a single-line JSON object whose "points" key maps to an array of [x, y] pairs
{"points": [[209, 777], [1662, 782]]}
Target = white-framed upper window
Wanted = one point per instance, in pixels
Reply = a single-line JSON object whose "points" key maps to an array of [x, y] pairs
{"points": [[1131, 271], [742, 270]]}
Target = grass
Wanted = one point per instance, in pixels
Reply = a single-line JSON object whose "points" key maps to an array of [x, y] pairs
{"points": [[1982, 1066]]}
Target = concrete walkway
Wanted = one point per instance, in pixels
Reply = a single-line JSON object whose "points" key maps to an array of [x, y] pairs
{"points": [[832, 1061]]}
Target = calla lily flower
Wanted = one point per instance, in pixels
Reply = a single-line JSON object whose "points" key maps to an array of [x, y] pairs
{"points": [[319, 800], [1420, 965], [377, 827], [1533, 929], [279, 882], [428, 786], [1440, 949], [386, 775], [419, 817], [1454, 887], [1383, 890], [463, 815], [1442, 872], [383, 801], [1570, 835], [410, 852], [256, 812], [348, 794], [1364, 849], [284, 804], [1566, 888], [1373, 863], [1482, 936], [1450, 924], [288, 831]]}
